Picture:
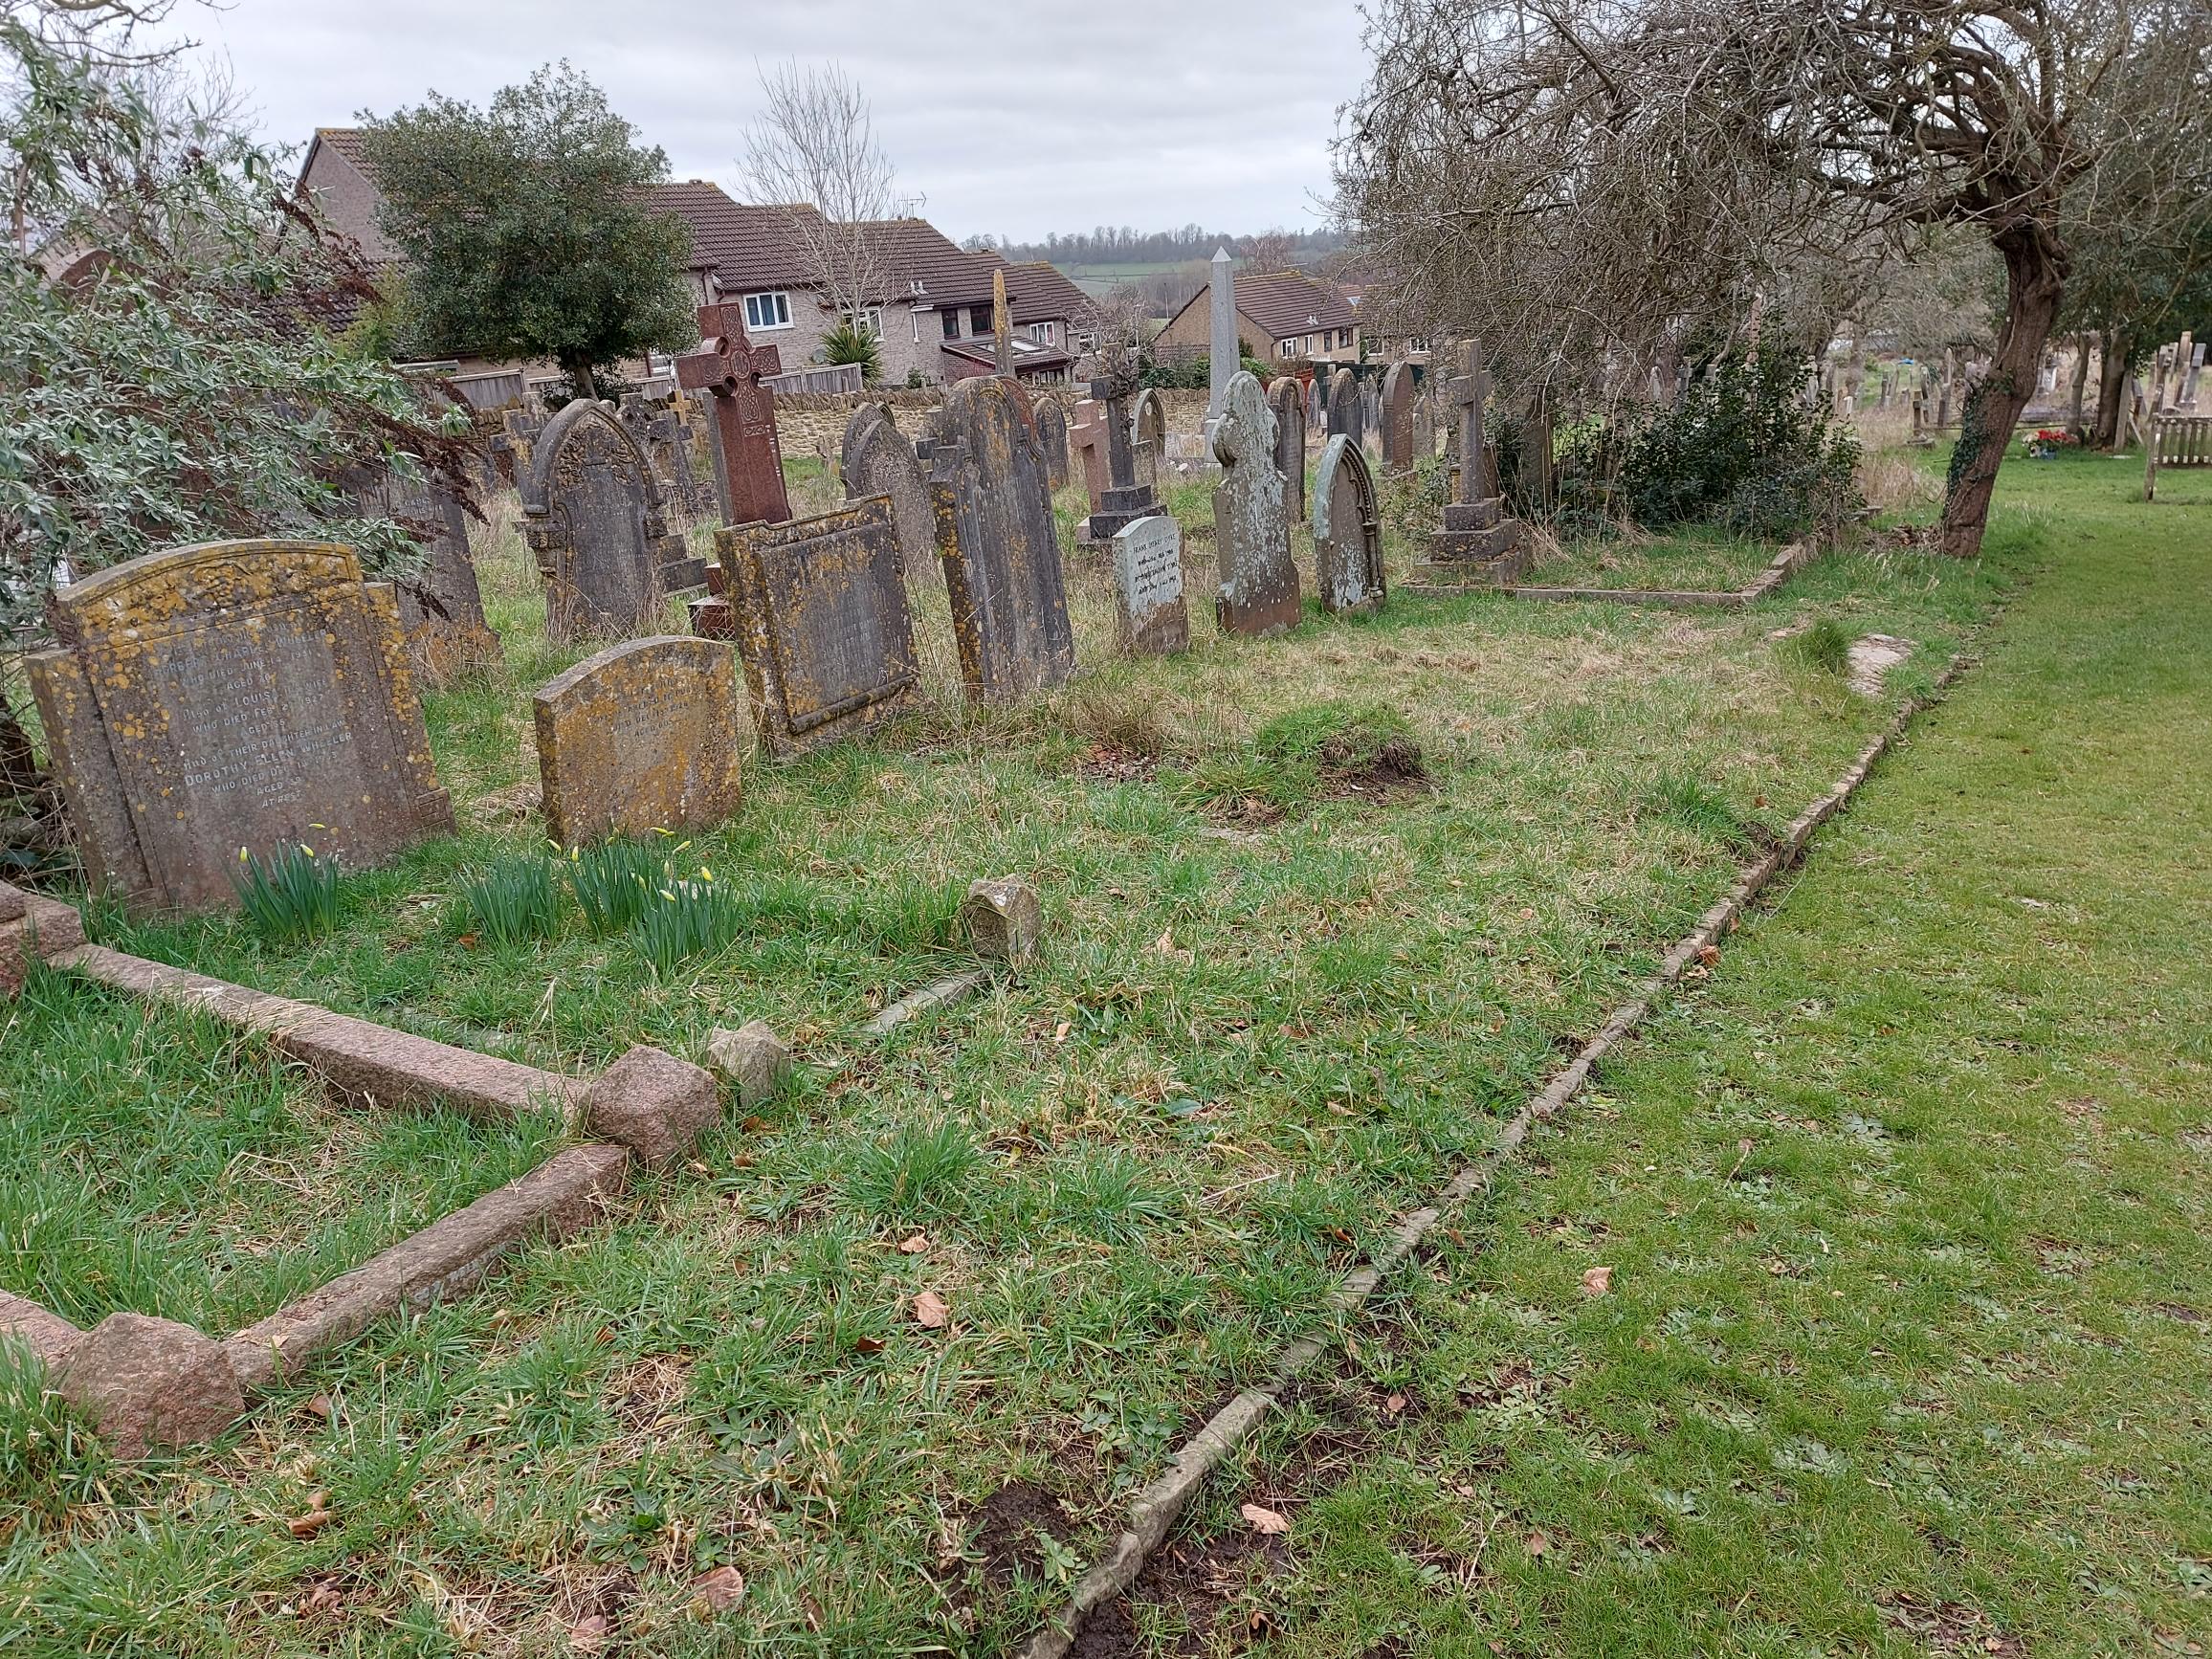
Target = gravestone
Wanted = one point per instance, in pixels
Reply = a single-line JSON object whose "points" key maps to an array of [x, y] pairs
{"points": [[1124, 499], [877, 460], [441, 609], [640, 738], [593, 514], [749, 460], [659, 431], [999, 544], [820, 611], [1148, 586], [1259, 583], [1347, 531], [1478, 542], [1090, 438], [1396, 410], [1002, 325], [1052, 434], [237, 694], [1148, 436], [1345, 405], [1287, 397], [1423, 432]]}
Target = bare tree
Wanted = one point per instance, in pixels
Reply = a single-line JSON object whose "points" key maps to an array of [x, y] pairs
{"points": [[812, 151], [1601, 178]]}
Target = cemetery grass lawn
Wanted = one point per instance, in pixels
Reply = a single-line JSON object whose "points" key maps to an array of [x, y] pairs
{"points": [[1284, 990], [1907, 1331], [1692, 559]]}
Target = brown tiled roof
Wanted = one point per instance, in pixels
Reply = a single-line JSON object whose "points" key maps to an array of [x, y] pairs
{"points": [[1029, 355], [1288, 303], [1038, 291], [347, 142], [748, 246]]}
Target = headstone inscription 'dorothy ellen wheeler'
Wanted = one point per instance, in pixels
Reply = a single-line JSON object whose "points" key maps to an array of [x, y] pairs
{"points": [[234, 696], [642, 736]]}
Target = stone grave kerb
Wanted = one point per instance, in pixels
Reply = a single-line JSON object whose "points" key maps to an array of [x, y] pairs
{"points": [[748, 459]]}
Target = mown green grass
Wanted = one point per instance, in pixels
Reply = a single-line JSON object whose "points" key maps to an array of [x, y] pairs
{"points": [[1692, 560], [1271, 1010], [1906, 1345]]}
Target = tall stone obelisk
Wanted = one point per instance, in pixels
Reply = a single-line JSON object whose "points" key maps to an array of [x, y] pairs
{"points": [[1223, 333]]}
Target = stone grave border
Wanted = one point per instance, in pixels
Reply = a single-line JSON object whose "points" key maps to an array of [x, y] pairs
{"points": [[1787, 564], [189, 1388], [1157, 1508]]}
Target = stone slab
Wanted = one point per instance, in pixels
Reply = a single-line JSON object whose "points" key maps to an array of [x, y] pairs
{"points": [[43, 929], [754, 1059], [150, 1384], [47, 1335], [936, 994], [359, 1061], [823, 624], [642, 736], [568, 1192], [652, 1103], [237, 694]]}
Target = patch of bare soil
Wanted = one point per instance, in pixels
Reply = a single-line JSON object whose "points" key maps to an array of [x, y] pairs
{"points": [[1110, 763], [1394, 771], [1005, 1527], [1943, 1627]]}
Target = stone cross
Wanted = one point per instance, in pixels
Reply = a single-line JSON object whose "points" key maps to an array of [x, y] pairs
{"points": [[1124, 498], [1002, 323], [1469, 389], [1222, 336], [1089, 432], [748, 461]]}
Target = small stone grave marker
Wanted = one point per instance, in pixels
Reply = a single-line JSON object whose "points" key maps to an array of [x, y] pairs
{"points": [[642, 736], [1147, 436], [237, 694], [1287, 397], [1052, 434], [1397, 411], [822, 623], [1259, 583], [1347, 531], [1148, 586]]}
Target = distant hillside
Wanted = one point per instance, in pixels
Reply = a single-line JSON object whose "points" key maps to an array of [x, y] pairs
{"points": [[1164, 250]]}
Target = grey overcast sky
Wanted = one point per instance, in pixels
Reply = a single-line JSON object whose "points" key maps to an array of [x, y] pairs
{"points": [[1008, 118]]}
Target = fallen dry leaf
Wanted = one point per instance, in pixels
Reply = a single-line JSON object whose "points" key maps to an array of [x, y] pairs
{"points": [[718, 1591], [319, 1516], [1709, 954], [868, 1344], [1597, 1281], [1539, 1544], [1060, 1032], [1273, 1522], [1393, 1405], [914, 1245], [590, 1633], [930, 1312], [321, 1407]]}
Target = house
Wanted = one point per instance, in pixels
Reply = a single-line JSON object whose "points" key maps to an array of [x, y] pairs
{"points": [[933, 315], [1282, 317], [932, 319]]}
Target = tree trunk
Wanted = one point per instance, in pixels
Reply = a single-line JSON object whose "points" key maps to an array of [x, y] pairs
{"points": [[2081, 377], [19, 771], [2112, 389], [580, 380], [2035, 268]]}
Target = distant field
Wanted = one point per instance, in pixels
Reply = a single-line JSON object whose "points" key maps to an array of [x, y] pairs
{"points": [[1098, 281]]}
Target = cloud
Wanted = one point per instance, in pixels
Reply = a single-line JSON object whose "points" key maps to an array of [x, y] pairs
{"points": [[1007, 119]]}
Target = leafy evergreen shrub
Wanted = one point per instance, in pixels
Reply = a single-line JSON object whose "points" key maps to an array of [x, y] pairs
{"points": [[1744, 450]]}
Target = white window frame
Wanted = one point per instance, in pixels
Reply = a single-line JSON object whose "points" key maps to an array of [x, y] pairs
{"points": [[1042, 333], [773, 304], [868, 318]]}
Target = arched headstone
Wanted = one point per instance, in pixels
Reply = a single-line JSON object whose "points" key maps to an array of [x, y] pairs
{"points": [[593, 516], [1259, 583], [1345, 405], [1287, 397], [877, 460], [1347, 531], [1148, 436], [1052, 434], [999, 544], [1398, 415]]}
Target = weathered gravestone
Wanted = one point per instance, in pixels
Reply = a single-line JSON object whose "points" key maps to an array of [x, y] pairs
{"points": [[593, 514], [1287, 397], [1148, 586], [640, 738], [878, 460], [999, 544], [749, 460], [1347, 531], [441, 609], [1125, 499], [234, 695], [822, 623], [1052, 434], [1478, 542], [1396, 410], [1148, 436], [1345, 405], [659, 431], [1090, 439], [1259, 583]]}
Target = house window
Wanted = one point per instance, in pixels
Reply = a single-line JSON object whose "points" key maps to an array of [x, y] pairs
{"points": [[1343, 340], [1042, 332], [952, 325], [979, 319], [870, 319], [766, 311], [1286, 349]]}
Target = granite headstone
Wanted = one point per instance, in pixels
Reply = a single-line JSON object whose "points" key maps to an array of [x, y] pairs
{"points": [[1148, 586]]}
